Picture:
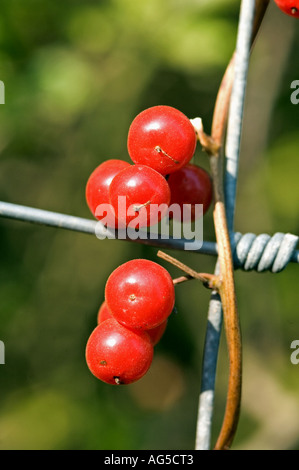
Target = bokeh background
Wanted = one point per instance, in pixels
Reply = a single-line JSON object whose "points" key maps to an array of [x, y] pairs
{"points": [[76, 74]]}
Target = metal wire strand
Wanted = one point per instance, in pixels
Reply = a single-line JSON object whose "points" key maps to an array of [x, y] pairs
{"points": [[251, 252], [93, 227]]}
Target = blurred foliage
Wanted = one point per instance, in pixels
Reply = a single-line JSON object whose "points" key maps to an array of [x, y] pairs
{"points": [[76, 74]]}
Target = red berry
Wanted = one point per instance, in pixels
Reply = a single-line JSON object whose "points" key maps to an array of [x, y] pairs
{"points": [[190, 185], [103, 313], [290, 7], [117, 355], [97, 188], [140, 294], [143, 190], [163, 138], [155, 334]]}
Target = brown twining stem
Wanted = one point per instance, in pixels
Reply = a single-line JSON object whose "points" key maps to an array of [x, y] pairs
{"points": [[226, 284], [158, 149], [209, 280]]}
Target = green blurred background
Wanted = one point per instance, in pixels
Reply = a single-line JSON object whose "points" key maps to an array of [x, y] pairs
{"points": [[76, 74]]}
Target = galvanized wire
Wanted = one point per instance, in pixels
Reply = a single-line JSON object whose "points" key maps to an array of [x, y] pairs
{"points": [[94, 227], [259, 252], [251, 252]]}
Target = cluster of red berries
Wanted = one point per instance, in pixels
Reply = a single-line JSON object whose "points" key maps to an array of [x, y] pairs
{"points": [[139, 295], [161, 143], [290, 7]]}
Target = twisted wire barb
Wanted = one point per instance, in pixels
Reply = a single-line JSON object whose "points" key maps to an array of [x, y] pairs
{"points": [[263, 252]]}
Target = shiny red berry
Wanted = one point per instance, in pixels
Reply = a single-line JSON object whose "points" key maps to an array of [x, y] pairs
{"points": [[140, 294], [136, 193], [103, 313], [189, 186], [117, 355], [163, 138], [290, 7], [155, 334], [97, 189]]}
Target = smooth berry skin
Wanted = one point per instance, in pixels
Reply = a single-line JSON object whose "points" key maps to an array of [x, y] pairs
{"points": [[163, 138], [143, 190], [140, 294], [290, 7], [103, 313], [97, 188], [117, 355], [190, 185], [155, 334]]}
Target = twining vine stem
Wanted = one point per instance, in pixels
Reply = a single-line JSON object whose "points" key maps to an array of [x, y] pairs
{"points": [[226, 286]]}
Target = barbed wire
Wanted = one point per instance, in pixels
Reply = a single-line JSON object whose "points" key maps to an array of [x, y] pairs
{"points": [[263, 252]]}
